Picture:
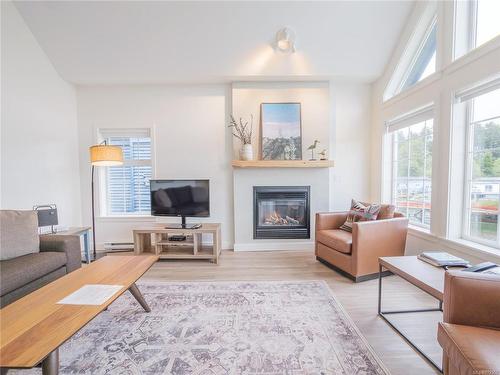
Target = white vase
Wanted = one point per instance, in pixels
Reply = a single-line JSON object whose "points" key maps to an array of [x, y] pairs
{"points": [[246, 152]]}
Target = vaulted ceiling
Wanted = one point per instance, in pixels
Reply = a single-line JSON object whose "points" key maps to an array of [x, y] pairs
{"points": [[141, 42]]}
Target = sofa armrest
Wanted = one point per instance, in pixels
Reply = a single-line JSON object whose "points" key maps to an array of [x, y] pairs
{"points": [[472, 299], [64, 243], [377, 238], [330, 220]]}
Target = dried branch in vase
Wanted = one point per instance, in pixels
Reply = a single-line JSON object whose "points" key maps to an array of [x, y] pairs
{"points": [[241, 130]]}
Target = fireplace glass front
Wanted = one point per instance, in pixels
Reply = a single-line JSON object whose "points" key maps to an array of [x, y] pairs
{"points": [[281, 212]]}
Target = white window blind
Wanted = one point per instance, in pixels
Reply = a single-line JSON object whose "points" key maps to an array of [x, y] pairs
{"points": [[403, 121], [478, 89], [127, 186]]}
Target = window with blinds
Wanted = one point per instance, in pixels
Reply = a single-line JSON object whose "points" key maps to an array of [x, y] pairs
{"points": [[412, 138], [482, 175], [127, 186]]}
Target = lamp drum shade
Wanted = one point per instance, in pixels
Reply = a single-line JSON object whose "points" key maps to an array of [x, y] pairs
{"points": [[106, 155]]}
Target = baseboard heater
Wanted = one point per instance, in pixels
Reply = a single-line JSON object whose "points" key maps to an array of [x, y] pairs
{"points": [[118, 246]]}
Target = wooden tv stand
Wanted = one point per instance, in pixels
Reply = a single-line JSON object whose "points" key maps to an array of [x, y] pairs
{"points": [[156, 239]]}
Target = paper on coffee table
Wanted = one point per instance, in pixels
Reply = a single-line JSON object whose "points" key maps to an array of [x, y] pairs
{"points": [[91, 294]]}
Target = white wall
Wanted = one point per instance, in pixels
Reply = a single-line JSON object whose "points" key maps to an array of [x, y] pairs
{"points": [[39, 158], [315, 124], [351, 144], [244, 181], [191, 140], [438, 88], [315, 109], [338, 113]]}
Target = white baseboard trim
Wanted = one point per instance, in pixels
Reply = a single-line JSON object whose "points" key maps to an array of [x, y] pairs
{"points": [[127, 219], [274, 246]]}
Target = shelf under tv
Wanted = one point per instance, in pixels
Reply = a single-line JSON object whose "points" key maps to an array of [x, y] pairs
{"points": [[182, 252], [155, 239]]}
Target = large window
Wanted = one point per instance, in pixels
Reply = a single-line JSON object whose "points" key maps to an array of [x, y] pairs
{"points": [[424, 63], [418, 61], [412, 167], [127, 186], [476, 22], [482, 192]]}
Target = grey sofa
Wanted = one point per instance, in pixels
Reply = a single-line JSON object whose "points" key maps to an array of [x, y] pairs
{"points": [[29, 261]]}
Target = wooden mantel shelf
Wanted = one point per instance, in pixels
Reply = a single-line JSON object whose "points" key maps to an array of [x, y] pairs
{"points": [[282, 163]]}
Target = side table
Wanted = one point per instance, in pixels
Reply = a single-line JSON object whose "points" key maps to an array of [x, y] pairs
{"points": [[81, 232]]}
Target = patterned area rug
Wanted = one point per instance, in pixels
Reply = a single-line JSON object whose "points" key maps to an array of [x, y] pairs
{"points": [[215, 328]]}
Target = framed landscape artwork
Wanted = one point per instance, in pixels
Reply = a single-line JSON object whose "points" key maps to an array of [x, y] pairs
{"points": [[281, 133]]}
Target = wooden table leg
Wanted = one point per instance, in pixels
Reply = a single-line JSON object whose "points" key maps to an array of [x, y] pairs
{"points": [[137, 243], [217, 241], [138, 296], [50, 365], [196, 243]]}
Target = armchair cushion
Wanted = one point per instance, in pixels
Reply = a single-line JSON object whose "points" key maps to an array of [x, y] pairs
{"points": [[330, 220], [337, 239], [472, 350], [18, 233]]}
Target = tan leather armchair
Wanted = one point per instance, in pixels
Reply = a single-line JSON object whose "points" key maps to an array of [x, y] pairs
{"points": [[356, 254], [470, 334]]}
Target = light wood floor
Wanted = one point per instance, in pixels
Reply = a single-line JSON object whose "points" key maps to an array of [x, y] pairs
{"points": [[359, 300]]}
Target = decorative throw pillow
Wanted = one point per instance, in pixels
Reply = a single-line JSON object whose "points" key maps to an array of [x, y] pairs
{"points": [[386, 212], [360, 212], [18, 233]]}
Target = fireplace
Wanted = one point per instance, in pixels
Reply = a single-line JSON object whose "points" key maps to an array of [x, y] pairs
{"points": [[281, 212]]}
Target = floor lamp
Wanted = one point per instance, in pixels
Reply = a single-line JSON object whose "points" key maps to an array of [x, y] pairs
{"points": [[102, 155]]}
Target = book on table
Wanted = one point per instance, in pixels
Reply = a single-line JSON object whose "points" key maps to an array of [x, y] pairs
{"points": [[442, 259]]}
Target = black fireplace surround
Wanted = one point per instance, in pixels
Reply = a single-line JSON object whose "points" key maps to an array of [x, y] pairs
{"points": [[281, 212]]}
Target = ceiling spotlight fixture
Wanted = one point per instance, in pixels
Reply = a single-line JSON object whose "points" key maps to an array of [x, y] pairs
{"points": [[285, 40]]}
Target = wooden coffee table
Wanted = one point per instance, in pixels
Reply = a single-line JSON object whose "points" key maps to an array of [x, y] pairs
{"points": [[34, 327], [424, 276]]}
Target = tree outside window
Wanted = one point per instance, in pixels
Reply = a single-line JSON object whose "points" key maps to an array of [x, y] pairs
{"points": [[412, 171], [483, 187]]}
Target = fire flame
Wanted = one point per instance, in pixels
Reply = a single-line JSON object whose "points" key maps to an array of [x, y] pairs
{"points": [[276, 219]]}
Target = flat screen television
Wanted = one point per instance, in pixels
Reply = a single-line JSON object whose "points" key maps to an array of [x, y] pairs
{"points": [[184, 198]]}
